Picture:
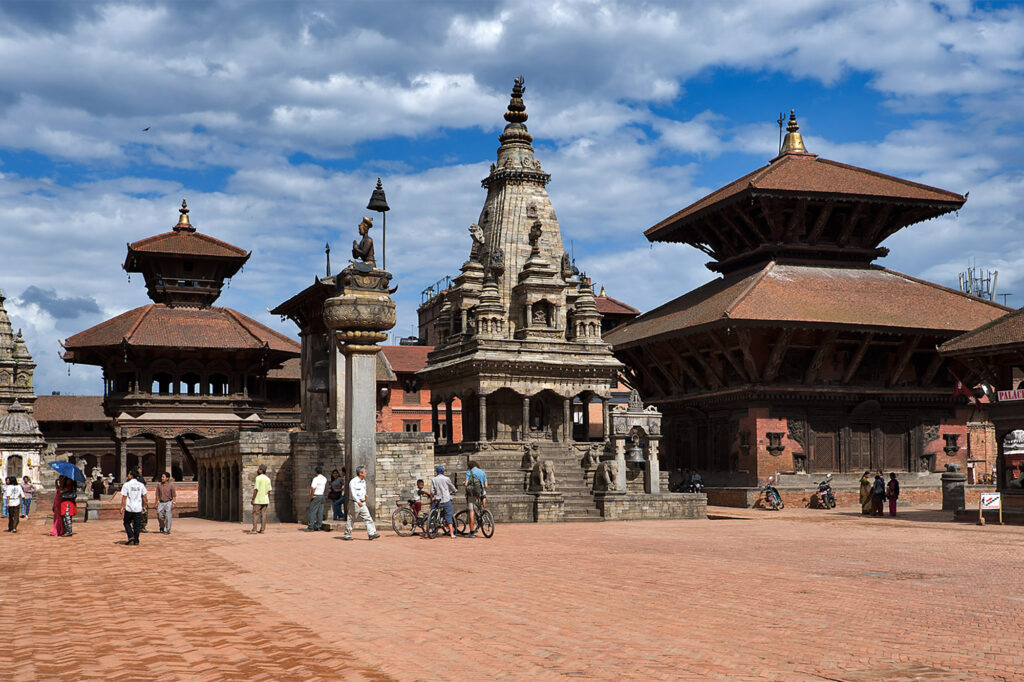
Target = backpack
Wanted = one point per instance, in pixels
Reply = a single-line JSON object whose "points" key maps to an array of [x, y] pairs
{"points": [[474, 486]]}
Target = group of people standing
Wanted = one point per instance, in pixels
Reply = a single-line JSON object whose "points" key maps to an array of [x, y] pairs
{"points": [[873, 493], [441, 489], [135, 505]]}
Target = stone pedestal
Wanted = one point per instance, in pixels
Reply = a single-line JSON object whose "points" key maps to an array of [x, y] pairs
{"points": [[652, 473], [358, 319], [548, 507], [953, 490]]}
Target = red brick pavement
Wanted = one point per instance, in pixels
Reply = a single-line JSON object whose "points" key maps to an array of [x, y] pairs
{"points": [[793, 595]]}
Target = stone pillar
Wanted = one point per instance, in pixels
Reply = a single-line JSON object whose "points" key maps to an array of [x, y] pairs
{"points": [[201, 477], [620, 462], [585, 401], [361, 415], [163, 457], [953, 492], [435, 424], [652, 469], [121, 449], [526, 417], [605, 423], [233, 490], [566, 420], [448, 417], [483, 418], [336, 385], [222, 495]]}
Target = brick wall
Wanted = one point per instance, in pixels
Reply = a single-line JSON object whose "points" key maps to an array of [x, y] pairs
{"points": [[630, 507], [401, 459]]}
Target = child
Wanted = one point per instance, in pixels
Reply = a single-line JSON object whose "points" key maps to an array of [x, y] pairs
{"points": [[417, 494], [13, 493]]}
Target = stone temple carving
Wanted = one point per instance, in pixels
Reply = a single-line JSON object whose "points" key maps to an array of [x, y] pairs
{"points": [[605, 475], [543, 476], [363, 249]]}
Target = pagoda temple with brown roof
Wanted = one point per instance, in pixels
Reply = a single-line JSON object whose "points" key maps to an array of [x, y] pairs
{"points": [[804, 356], [181, 369]]}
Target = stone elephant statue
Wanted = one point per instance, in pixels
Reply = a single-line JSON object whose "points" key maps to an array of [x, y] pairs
{"points": [[543, 476], [605, 475]]}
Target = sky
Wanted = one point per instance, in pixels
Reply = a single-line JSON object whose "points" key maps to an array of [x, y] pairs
{"points": [[274, 120]]}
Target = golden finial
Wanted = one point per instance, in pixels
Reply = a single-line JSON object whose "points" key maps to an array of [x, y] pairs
{"points": [[794, 142], [602, 290], [183, 223]]}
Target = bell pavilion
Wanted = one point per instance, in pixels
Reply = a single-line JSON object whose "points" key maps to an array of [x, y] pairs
{"points": [[804, 356], [181, 369]]}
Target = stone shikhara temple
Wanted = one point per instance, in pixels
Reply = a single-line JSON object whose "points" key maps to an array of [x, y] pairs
{"points": [[804, 356], [21, 443], [519, 345]]}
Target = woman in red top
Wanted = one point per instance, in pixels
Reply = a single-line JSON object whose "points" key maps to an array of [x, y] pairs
{"points": [[64, 507]]}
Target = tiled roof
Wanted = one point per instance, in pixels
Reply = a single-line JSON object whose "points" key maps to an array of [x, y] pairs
{"points": [[158, 326], [1004, 333], [188, 243], [808, 174], [291, 369], [606, 305], [69, 408], [864, 297], [406, 358]]}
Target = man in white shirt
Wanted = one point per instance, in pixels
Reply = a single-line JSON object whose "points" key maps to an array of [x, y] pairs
{"points": [[133, 503], [316, 500], [357, 494]]}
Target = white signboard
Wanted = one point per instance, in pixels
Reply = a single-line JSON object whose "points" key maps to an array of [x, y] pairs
{"points": [[1010, 396], [990, 501]]}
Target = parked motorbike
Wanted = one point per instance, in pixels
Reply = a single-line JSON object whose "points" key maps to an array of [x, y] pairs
{"points": [[826, 498], [696, 486], [772, 498]]}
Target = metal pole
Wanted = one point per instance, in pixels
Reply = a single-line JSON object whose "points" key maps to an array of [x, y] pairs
{"points": [[384, 241]]}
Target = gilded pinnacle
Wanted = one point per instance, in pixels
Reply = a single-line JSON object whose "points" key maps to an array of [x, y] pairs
{"points": [[183, 220], [794, 141]]}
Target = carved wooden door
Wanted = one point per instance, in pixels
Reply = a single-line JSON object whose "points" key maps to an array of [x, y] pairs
{"points": [[894, 447], [823, 452], [859, 459]]}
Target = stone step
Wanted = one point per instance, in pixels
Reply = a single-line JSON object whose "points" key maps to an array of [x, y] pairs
{"points": [[582, 519]]}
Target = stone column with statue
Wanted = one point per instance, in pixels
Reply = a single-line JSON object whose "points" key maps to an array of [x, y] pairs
{"points": [[358, 318]]}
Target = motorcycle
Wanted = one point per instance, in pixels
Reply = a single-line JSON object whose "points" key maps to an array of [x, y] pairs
{"points": [[826, 498], [772, 498], [696, 486]]}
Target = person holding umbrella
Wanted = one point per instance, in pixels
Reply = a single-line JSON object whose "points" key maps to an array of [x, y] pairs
{"points": [[64, 506]]}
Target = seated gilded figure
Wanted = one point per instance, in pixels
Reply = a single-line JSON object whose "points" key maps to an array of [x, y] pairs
{"points": [[363, 250]]}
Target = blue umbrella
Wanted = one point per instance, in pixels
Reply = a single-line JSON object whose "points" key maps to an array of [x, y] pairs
{"points": [[68, 470]]}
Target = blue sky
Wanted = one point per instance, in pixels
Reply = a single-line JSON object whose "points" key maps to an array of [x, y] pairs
{"points": [[274, 119]]}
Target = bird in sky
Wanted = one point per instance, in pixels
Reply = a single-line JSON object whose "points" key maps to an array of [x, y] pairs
{"points": [[146, 129]]}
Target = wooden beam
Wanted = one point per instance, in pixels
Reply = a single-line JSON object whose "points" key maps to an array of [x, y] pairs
{"points": [[684, 364], [876, 225], [773, 225], [796, 220], [714, 378], [858, 357], [750, 223], [748, 356], [673, 382], [771, 370], [851, 223], [903, 360], [735, 228], [647, 373], [933, 369], [819, 224], [823, 351], [729, 356]]}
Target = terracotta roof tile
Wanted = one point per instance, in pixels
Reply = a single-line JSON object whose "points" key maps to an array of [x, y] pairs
{"points": [[1006, 332], [156, 325], [796, 174], [291, 369], [867, 297], [406, 358], [189, 243], [606, 305], [68, 408]]}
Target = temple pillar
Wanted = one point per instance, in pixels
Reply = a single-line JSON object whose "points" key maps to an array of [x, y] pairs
{"points": [[482, 418], [336, 385], [200, 492], [585, 400], [435, 424], [163, 457], [566, 420], [605, 425], [121, 450], [448, 417], [526, 416]]}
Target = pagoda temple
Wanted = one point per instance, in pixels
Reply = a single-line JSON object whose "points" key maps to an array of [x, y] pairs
{"points": [[804, 356], [518, 338], [180, 369]]}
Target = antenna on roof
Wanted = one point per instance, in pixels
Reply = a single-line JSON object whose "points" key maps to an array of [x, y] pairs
{"points": [[327, 250], [781, 122]]}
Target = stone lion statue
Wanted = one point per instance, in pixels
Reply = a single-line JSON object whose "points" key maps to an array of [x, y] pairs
{"points": [[591, 457], [543, 476], [605, 475]]}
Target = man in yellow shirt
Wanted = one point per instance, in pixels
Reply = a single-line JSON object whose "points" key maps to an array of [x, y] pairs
{"points": [[260, 498]]}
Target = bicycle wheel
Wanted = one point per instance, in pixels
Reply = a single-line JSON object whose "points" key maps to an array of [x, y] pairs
{"points": [[433, 524], [403, 521], [486, 521], [461, 521]]}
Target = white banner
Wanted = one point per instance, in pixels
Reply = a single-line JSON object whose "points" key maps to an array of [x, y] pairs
{"points": [[990, 501]]}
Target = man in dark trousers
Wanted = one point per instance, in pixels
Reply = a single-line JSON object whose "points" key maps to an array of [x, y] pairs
{"points": [[133, 503]]}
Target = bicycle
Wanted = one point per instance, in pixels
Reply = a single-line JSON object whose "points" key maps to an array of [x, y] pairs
{"points": [[405, 521], [484, 522]]}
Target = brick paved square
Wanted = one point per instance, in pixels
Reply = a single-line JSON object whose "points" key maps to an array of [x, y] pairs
{"points": [[797, 595]]}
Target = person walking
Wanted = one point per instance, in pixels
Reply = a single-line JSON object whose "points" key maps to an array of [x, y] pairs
{"points": [[133, 503], [165, 497], [865, 493], [98, 487], [316, 500], [336, 494], [260, 498], [110, 484], [13, 493], [893, 493], [441, 489], [877, 495], [357, 494], [27, 491], [476, 493]]}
